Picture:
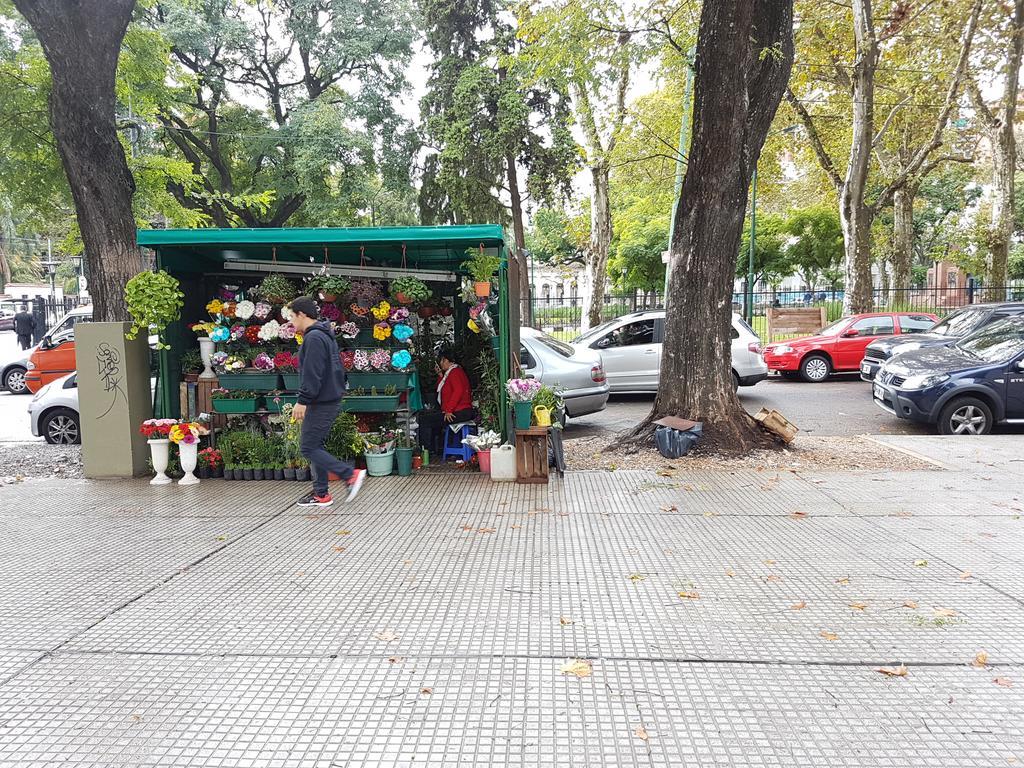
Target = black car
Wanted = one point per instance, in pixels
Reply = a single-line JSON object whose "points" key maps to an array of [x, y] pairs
{"points": [[963, 388], [956, 325]]}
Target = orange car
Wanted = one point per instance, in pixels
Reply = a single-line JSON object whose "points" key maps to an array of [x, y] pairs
{"points": [[54, 356]]}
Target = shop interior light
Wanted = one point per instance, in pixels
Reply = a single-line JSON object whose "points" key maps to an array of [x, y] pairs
{"points": [[384, 273]]}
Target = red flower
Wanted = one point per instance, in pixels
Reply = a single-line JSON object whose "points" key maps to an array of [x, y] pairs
{"points": [[348, 359], [286, 362], [252, 334]]}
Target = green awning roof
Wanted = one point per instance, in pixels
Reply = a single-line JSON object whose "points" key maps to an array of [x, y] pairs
{"points": [[426, 247]]}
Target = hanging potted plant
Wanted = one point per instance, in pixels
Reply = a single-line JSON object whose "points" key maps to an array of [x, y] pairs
{"points": [[156, 432], [409, 290], [327, 287], [276, 289], [364, 294], [481, 267], [154, 301]]}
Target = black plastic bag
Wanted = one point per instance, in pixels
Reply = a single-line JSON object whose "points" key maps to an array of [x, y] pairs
{"points": [[673, 443]]}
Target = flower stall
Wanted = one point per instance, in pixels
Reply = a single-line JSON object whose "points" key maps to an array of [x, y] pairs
{"points": [[392, 294]]}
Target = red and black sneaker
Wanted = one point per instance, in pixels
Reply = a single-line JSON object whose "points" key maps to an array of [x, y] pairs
{"points": [[355, 483], [313, 500]]}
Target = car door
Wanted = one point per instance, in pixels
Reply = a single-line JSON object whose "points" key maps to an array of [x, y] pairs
{"points": [[850, 346], [1015, 389], [915, 323], [631, 356]]}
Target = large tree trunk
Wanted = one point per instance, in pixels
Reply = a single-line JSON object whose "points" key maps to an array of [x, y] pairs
{"points": [[519, 235], [736, 93], [1000, 233], [903, 238], [600, 243], [82, 41], [856, 221]]}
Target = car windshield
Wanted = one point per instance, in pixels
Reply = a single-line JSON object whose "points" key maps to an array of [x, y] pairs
{"points": [[997, 342], [595, 331], [833, 328], [558, 346], [959, 324]]}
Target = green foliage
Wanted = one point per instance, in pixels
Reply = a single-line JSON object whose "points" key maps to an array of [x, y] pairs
{"points": [[411, 287], [771, 260], [344, 440], [277, 288], [482, 265], [232, 394], [191, 361], [329, 285], [550, 398], [815, 246], [557, 237], [154, 300]]}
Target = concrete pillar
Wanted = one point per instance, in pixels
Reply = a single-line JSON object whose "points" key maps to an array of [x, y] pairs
{"points": [[114, 398]]}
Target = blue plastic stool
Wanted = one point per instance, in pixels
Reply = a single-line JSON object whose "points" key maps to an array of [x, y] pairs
{"points": [[454, 434]]}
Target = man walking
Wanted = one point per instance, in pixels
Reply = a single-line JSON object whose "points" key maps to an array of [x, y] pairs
{"points": [[24, 327], [321, 387]]}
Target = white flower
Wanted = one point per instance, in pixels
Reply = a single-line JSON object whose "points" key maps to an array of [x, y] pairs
{"points": [[287, 314], [270, 330], [244, 310]]}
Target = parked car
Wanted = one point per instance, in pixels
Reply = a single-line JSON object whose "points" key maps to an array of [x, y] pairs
{"points": [[6, 320], [840, 346], [630, 348], [54, 357], [54, 411], [956, 325], [963, 388], [577, 373], [12, 376]]}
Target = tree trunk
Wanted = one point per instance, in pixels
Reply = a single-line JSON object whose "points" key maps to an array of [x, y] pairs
{"points": [[82, 41], [600, 243], [737, 89], [1000, 233], [903, 237], [519, 235], [856, 221]]}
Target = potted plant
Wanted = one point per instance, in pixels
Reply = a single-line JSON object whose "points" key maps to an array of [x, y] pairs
{"points": [[482, 444], [154, 301], [521, 392], [233, 400], [276, 400], [289, 469], [276, 289], [364, 294], [156, 432], [327, 287], [409, 290], [191, 364], [403, 453], [287, 365], [211, 463], [548, 401], [481, 267], [185, 434], [379, 452], [302, 469]]}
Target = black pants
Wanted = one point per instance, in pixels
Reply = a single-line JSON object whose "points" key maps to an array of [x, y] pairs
{"points": [[25, 340], [432, 426], [315, 429]]}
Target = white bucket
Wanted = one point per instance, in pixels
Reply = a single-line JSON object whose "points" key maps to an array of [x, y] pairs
{"points": [[503, 463]]}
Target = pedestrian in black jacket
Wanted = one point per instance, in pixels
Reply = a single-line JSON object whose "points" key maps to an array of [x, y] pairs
{"points": [[24, 327], [321, 387]]}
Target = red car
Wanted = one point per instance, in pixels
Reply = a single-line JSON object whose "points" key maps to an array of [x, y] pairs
{"points": [[840, 346]]}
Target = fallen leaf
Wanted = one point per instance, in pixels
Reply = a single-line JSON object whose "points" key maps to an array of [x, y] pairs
{"points": [[1003, 681], [690, 595], [768, 562], [710, 514], [343, 533], [844, 580], [909, 604], [637, 577], [730, 573], [426, 691], [798, 606], [666, 473], [407, 562], [578, 667], [944, 612], [858, 606], [641, 733], [772, 578], [965, 576], [829, 635], [467, 527], [486, 530], [902, 513], [797, 515], [980, 660], [386, 636], [673, 508], [900, 671], [515, 525], [920, 563], [222, 538], [565, 621], [338, 549], [669, 551], [394, 659]]}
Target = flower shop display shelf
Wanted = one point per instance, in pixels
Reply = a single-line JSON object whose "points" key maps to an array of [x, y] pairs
{"points": [[254, 382], [365, 339], [371, 403], [379, 379], [236, 405]]}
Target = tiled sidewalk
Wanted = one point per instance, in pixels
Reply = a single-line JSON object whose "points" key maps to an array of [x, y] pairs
{"points": [[730, 619]]}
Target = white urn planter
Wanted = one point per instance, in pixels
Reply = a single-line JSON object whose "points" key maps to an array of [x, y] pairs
{"points": [[206, 352], [159, 452], [188, 454]]}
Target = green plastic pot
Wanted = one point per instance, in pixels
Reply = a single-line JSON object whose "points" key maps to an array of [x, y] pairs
{"points": [[370, 403], [365, 379], [403, 460], [283, 400], [248, 405], [524, 411], [255, 382], [380, 464], [290, 382]]}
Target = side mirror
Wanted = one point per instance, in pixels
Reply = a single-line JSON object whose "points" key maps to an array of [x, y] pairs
{"points": [[1020, 365], [850, 333], [46, 343], [603, 343]]}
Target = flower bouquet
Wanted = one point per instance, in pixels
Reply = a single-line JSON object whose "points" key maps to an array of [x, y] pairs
{"points": [[348, 359], [365, 293], [270, 331], [348, 330], [381, 331], [382, 311], [185, 435], [329, 312], [380, 359], [262, 311], [244, 310], [158, 431], [360, 360], [521, 392]]}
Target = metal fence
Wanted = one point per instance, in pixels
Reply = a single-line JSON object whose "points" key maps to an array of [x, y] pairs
{"points": [[563, 317]]}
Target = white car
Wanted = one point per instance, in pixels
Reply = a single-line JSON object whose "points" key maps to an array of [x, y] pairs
{"points": [[54, 412], [630, 348]]}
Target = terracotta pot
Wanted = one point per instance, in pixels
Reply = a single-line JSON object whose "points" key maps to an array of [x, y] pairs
{"points": [[417, 461], [425, 312], [328, 297], [191, 377], [483, 289], [401, 298]]}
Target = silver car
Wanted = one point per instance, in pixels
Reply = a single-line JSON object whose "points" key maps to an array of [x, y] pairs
{"points": [[578, 373], [630, 348]]}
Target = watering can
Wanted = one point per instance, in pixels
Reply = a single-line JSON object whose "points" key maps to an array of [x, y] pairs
{"points": [[542, 415]]}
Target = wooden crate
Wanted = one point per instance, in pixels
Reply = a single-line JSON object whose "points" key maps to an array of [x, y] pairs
{"points": [[794, 321], [195, 398], [776, 423], [532, 455]]}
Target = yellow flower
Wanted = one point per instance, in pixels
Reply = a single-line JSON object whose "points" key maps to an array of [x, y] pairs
{"points": [[382, 310], [473, 326], [214, 307], [298, 339]]}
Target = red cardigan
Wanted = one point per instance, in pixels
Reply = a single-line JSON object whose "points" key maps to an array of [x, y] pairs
{"points": [[456, 394]]}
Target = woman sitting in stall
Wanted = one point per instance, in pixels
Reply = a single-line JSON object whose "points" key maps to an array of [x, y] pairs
{"points": [[455, 402]]}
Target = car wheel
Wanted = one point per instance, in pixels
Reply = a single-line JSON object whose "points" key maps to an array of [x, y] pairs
{"points": [[965, 416], [60, 427], [815, 368], [735, 382], [14, 381]]}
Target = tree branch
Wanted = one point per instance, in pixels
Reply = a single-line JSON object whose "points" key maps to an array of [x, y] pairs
{"points": [[824, 160]]}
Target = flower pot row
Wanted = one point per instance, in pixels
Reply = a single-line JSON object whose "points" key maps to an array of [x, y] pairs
{"points": [[263, 473], [259, 381], [252, 404], [370, 403]]}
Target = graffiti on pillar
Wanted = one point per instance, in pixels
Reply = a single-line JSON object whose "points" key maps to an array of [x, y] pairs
{"points": [[108, 365]]}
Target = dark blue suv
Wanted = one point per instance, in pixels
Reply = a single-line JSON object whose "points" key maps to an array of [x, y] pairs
{"points": [[964, 388]]}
